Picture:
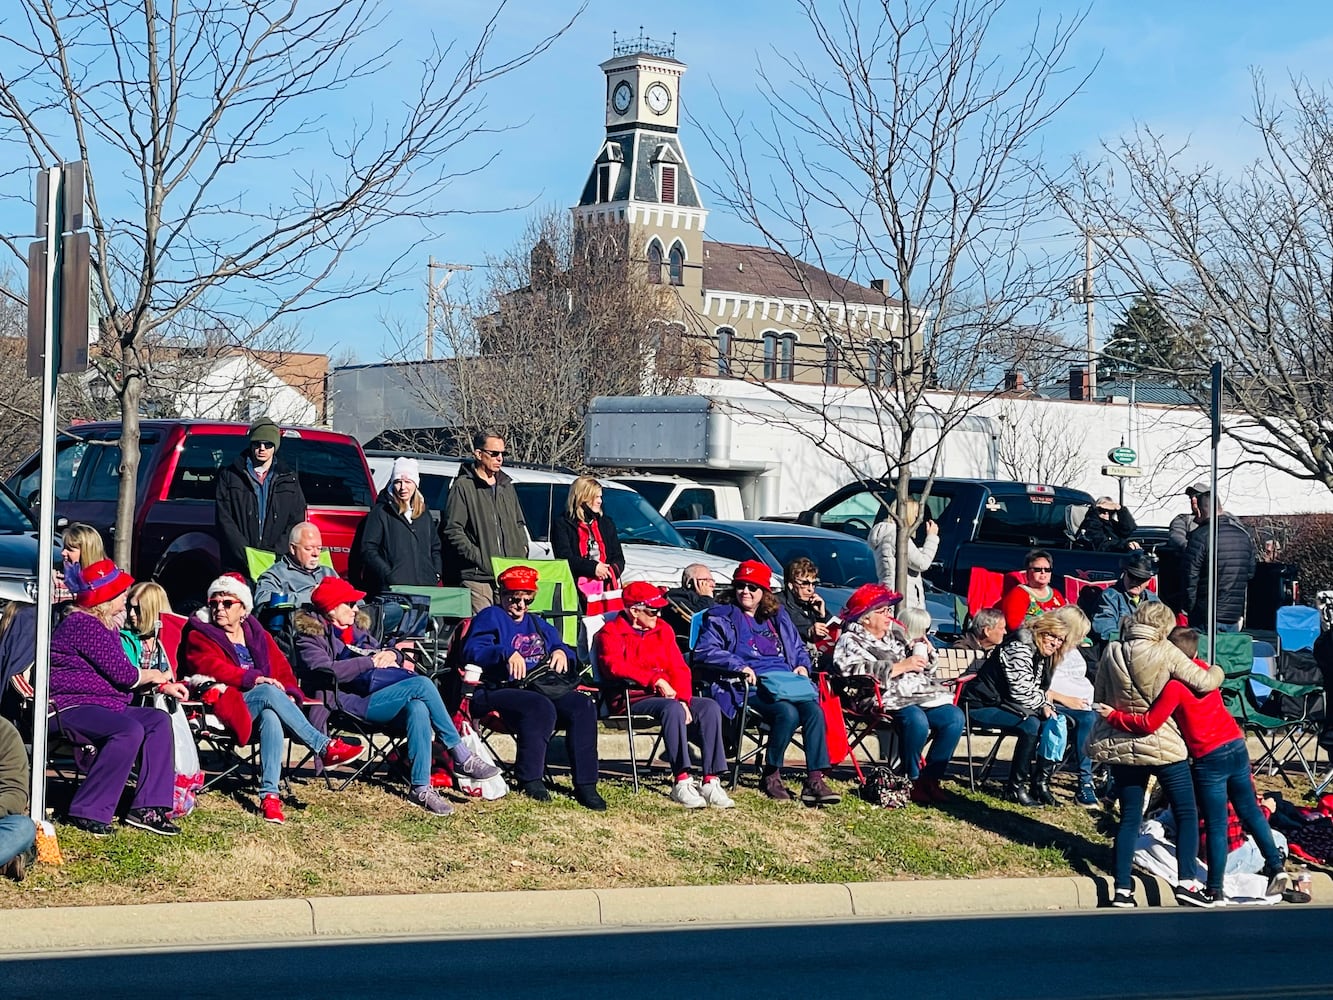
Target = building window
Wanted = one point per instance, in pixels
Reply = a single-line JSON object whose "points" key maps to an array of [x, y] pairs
{"points": [[787, 358], [770, 356], [879, 369], [604, 178], [724, 338], [668, 185], [677, 264], [831, 352], [654, 263]]}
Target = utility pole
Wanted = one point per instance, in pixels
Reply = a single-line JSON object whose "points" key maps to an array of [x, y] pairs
{"points": [[433, 289], [1092, 326]]}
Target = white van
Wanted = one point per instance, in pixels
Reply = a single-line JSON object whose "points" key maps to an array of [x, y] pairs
{"points": [[678, 498], [654, 550]]}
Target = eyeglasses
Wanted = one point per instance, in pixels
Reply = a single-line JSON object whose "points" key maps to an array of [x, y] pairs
{"points": [[650, 612], [223, 604], [262, 444], [807, 583], [1040, 569], [132, 608], [1103, 512], [749, 586], [493, 454], [515, 599]]}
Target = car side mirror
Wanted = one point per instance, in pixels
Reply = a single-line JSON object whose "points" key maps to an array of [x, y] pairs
{"points": [[811, 517]]}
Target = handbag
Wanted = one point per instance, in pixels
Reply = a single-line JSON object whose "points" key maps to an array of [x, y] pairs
{"points": [[545, 680], [885, 789], [598, 597], [484, 788], [835, 724], [787, 685]]}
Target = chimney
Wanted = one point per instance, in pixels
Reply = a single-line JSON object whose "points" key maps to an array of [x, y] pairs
{"points": [[1013, 380], [877, 285], [1078, 382]]}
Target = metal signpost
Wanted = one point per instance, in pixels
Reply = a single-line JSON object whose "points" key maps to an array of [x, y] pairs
{"points": [[1123, 467], [57, 343]]}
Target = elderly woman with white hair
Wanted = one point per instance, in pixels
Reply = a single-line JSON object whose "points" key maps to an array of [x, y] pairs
{"points": [[399, 544]]}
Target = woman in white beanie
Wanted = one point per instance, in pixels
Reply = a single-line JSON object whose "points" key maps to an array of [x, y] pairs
{"points": [[399, 544]]}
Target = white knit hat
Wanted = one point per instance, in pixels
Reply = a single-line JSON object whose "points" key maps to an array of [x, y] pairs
{"points": [[235, 585], [405, 468]]}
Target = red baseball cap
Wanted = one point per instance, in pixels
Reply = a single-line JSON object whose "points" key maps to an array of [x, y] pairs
{"points": [[642, 592], [332, 591], [753, 571]]}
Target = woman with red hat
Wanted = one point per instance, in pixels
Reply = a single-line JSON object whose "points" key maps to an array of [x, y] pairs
{"points": [[752, 636], [377, 685], [224, 643], [508, 643], [637, 646], [91, 684], [873, 644]]}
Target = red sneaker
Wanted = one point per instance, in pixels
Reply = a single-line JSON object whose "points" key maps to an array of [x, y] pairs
{"points": [[272, 806], [338, 752]]}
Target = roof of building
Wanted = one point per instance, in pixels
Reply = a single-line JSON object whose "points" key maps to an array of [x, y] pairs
{"points": [[1143, 392], [639, 150], [767, 273]]}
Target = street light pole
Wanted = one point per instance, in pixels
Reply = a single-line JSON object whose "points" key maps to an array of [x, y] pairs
{"points": [[1092, 327], [432, 290]]}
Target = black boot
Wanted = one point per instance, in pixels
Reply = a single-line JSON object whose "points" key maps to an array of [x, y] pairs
{"points": [[1041, 781], [1016, 790]]}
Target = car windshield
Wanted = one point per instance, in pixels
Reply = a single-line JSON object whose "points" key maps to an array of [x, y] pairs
{"points": [[636, 521], [842, 562], [14, 520]]}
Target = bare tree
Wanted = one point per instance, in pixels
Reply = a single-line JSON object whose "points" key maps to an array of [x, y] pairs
{"points": [[560, 318], [903, 147], [179, 111], [1035, 446], [1239, 264]]}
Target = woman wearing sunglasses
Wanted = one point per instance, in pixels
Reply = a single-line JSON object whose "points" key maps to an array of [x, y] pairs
{"points": [[222, 643], [752, 638], [1034, 594], [508, 643], [638, 647]]}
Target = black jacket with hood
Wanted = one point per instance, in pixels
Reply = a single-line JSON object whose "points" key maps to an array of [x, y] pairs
{"points": [[238, 512], [480, 522], [395, 550]]}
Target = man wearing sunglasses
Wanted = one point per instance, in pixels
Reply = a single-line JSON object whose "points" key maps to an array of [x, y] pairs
{"points": [[482, 519], [259, 499]]}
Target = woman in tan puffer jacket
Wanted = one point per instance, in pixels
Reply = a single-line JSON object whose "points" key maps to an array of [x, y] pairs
{"points": [[1130, 676]]}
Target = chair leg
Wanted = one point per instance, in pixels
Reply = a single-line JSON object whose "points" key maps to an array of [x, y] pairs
{"points": [[633, 753]]}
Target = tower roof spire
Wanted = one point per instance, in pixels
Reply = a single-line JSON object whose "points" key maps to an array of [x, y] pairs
{"points": [[643, 45]]}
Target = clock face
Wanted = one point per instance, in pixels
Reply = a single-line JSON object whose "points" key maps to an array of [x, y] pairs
{"points": [[621, 97], [659, 98]]}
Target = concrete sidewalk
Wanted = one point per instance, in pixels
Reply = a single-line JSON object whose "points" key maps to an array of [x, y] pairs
{"points": [[325, 919]]}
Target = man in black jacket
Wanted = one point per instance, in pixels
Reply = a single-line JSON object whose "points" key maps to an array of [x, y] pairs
{"points": [[482, 519], [259, 500], [1235, 567]]}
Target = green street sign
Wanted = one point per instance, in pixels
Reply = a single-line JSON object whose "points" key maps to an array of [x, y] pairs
{"points": [[1123, 456]]}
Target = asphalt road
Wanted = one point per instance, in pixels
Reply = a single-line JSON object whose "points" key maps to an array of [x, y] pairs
{"points": [[1253, 953]]}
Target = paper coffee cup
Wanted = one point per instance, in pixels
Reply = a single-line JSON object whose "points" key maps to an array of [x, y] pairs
{"points": [[471, 674]]}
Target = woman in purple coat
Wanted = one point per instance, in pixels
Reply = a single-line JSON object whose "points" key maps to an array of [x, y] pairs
{"points": [[91, 684], [753, 636], [377, 685]]}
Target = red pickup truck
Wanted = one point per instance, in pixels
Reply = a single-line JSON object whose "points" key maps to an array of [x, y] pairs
{"points": [[175, 524]]}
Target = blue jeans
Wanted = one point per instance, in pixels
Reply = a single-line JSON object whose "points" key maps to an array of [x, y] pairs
{"points": [[1222, 776], [17, 834], [1082, 720], [915, 725], [1027, 733], [1131, 783], [274, 711], [783, 717], [416, 704]]}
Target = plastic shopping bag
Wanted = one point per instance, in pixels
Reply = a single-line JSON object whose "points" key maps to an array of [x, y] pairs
{"points": [[486, 788], [189, 775], [1054, 738]]}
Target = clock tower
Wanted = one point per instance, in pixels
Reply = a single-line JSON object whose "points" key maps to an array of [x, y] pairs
{"points": [[640, 176]]}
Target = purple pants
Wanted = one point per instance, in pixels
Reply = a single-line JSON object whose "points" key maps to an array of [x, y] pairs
{"points": [[706, 727], [531, 718], [121, 738]]}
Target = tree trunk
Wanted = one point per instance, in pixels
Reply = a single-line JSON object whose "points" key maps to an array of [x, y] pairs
{"points": [[123, 530]]}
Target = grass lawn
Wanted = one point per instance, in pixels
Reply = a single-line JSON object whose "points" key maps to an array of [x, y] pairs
{"points": [[369, 840]]}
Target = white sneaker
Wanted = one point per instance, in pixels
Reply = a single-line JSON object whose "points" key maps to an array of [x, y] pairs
{"points": [[685, 792], [715, 795]]}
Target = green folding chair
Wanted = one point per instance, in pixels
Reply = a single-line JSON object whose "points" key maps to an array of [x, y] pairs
{"points": [[557, 599], [260, 561]]}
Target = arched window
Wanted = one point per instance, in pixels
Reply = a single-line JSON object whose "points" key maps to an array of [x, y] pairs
{"points": [[787, 358], [654, 263], [770, 355], [676, 264], [725, 334], [832, 350]]}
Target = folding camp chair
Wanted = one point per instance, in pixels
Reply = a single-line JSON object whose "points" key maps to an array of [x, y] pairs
{"points": [[1280, 738], [613, 699], [975, 776]]}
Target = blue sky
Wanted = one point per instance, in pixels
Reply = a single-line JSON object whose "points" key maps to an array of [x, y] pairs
{"points": [[1180, 66]]}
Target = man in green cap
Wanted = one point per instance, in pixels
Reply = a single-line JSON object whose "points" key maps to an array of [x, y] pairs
{"points": [[259, 499]]}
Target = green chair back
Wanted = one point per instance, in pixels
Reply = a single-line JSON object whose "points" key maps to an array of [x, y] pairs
{"points": [[260, 561], [555, 593]]}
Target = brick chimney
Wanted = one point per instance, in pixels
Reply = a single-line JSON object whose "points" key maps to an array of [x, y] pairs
{"points": [[1078, 382], [1013, 380]]}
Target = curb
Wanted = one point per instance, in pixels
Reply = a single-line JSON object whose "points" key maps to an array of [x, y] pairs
{"points": [[274, 921]]}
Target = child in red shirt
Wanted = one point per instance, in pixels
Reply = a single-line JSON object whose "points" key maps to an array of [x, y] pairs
{"points": [[1221, 764]]}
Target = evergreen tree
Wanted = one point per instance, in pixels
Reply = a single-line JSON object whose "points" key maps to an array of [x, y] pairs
{"points": [[1146, 345]]}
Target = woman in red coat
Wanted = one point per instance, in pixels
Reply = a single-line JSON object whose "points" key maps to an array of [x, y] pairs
{"points": [[224, 644], [637, 646]]}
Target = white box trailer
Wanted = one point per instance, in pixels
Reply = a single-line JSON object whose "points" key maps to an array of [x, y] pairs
{"points": [[782, 458]]}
